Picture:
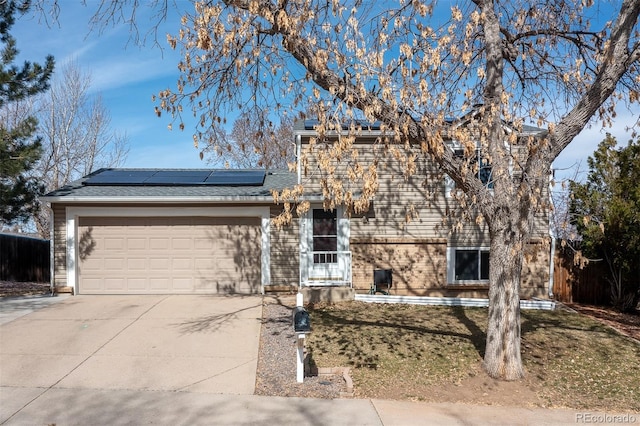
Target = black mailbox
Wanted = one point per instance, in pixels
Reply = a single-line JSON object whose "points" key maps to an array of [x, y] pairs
{"points": [[301, 320]]}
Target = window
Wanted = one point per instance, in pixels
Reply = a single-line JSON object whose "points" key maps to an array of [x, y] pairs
{"points": [[484, 171], [468, 264], [325, 236]]}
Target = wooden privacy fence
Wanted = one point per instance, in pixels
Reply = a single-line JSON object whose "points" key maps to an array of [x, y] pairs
{"points": [[572, 284], [24, 259]]}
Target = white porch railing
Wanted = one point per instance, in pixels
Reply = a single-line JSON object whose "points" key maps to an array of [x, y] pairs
{"points": [[326, 268]]}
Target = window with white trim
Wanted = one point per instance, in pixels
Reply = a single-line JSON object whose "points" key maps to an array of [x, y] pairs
{"points": [[484, 172], [468, 265]]}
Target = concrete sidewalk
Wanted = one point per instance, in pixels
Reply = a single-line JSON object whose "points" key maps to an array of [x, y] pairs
{"points": [[124, 407], [12, 308]]}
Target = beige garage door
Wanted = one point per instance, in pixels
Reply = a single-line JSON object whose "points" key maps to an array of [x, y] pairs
{"points": [[172, 255]]}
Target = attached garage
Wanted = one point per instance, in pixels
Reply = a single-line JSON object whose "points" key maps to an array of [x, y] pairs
{"points": [[175, 255], [167, 250], [159, 231]]}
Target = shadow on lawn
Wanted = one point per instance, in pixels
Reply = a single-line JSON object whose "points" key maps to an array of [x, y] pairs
{"points": [[533, 321], [354, 331], [403, 334], [478, 337]]}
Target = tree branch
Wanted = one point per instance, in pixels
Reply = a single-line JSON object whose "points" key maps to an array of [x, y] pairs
{"points": [[616, 63]]}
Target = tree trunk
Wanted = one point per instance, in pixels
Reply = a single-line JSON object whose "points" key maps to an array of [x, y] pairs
{"points": [[502, 354]]}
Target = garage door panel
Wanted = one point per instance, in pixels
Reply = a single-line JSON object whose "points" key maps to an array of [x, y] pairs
{"points": [[137, 264], [181, 243], [184, 264], [160, 264], [203, 244], [183, 284], [115, 284], [160, 284], [111, 244], [114, 264], [136, 244], [169, 255], [159, 243], [92, 285], [136, 284], [93, 264]]}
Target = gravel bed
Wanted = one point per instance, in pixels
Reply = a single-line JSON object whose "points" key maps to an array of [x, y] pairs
{"points": [[13, 288], [276, 373]]}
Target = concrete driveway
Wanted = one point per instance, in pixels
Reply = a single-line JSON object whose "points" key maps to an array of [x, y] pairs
{"points": [[196, 344]]}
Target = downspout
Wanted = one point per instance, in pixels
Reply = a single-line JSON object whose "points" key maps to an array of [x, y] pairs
{"points": [[552, 254], [299, 180], [298, 151]]}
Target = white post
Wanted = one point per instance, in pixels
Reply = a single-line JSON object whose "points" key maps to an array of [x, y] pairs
{"points": [[300, 347], [300, 359]]}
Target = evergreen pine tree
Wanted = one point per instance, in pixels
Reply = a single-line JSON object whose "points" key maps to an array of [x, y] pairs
{"points": [[19, 148]]}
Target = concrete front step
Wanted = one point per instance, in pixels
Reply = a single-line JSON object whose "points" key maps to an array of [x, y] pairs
{"points": [[327, 294]]}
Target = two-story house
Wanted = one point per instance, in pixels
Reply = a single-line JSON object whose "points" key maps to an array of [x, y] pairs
{"points": [[155, 231]]}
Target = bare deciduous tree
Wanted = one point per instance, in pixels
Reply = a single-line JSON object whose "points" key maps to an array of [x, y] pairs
{"points": [[255, 141], [76, 135], [412, 65]]}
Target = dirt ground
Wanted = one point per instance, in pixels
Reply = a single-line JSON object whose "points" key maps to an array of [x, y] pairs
{"points": [[483, 390]]}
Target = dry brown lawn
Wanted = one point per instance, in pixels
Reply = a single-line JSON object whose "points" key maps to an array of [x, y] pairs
{"points": [[435, 354]]}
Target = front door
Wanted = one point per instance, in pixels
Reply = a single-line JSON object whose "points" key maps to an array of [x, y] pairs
{"points": [[325, 249]]}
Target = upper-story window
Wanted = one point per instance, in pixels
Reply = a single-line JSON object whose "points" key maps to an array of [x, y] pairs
{"points": [[484, 169]]}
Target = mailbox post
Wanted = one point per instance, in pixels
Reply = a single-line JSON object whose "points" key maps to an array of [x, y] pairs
{"points": [[302, 327]]}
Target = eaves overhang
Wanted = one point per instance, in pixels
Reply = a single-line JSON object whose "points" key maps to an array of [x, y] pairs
{"points": [[157, 200], [333, 133]]}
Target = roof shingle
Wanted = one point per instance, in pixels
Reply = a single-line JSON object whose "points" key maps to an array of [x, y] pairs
{"points": [[78, 191]]}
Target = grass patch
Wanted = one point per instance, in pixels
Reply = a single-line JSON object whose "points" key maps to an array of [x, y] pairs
{"points": [[435, 353]]}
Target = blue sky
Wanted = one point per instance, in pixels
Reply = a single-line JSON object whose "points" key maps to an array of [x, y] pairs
{"points": [[127, 76]]}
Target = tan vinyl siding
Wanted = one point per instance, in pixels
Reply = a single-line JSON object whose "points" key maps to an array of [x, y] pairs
{"points": [[412, 207], [403, 207], [285, 254], [59, 245]]}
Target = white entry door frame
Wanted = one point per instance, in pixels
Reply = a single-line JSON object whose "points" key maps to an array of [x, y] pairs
{"points": [[325, 258]]}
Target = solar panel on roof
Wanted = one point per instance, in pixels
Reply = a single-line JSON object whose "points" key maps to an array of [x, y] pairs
{"points": [[192, 173], [177, 177], [175, 180], [236, 177], [131, 177]]}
